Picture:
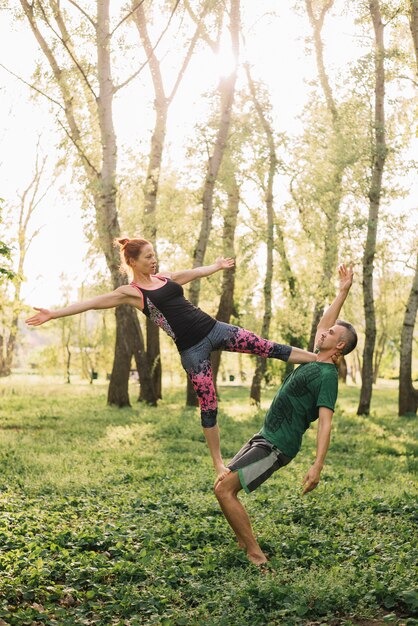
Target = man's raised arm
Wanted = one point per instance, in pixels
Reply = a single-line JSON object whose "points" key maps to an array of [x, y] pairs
{"points": [[331, 314]]}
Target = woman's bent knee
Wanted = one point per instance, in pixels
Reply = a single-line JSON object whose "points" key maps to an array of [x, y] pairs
{"points": [[208, 418]]}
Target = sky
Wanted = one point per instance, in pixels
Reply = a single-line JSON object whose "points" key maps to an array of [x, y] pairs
{"points": [[275, 47]]}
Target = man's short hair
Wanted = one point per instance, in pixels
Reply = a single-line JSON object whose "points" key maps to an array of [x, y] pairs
{"points": [[349, 336]]}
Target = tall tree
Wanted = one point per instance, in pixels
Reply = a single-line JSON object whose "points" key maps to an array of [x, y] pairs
{"points": [[162, 102], [271, 164], [5, 251], [226, 301], [330, 208], [29, 201], [375, 193], [86, 94], [226, 90], [413, 24], [408, 395]]}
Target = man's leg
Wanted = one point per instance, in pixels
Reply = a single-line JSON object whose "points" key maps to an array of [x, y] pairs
{"points": [[226, 492]]}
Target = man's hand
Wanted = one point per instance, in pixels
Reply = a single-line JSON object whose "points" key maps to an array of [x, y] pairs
{"points": [[346, 277], [39, 318], [311, 479], [224, 264]]}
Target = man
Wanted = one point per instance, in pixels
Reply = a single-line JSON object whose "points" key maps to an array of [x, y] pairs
{"points": [[308, 393]]}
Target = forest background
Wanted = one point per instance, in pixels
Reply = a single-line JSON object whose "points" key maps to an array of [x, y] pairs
{"points": [[284, 136]]}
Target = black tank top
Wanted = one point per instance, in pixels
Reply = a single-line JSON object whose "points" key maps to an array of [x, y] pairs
{"points": [[180, 319]]}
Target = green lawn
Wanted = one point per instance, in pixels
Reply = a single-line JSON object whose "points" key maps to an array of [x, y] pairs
{"points": [[108, 516]]}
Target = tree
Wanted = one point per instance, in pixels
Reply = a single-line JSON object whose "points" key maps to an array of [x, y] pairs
{"points": [[413, 24], [267, 187], [162, 102], [29, 201], [332, 199], [86, 93], [5, 252], [226, 97], [408, 395], [226, 301], [375, 191], [8, 275]]}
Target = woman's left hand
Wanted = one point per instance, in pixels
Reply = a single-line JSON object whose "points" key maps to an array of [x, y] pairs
{"points": [[224, 264]]}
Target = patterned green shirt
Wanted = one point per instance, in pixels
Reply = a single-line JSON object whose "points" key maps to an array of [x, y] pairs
{"points": [[297, 403]]}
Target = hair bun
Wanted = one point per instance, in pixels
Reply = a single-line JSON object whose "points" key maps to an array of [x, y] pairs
{"points": [[123, 242]]}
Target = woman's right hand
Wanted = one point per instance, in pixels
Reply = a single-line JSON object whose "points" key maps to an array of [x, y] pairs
{"points": [[40, 318]]}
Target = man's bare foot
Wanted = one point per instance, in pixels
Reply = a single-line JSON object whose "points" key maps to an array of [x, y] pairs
{"points": [[258, 558]]}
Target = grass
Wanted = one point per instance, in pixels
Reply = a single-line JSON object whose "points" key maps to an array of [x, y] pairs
{"points": [[108, 516]]}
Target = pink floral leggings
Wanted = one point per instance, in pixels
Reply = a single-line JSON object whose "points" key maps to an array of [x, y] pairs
{"points": [[196, 361]]}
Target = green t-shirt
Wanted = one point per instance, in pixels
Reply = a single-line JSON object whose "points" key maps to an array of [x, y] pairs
{"points": [[297, 403]]}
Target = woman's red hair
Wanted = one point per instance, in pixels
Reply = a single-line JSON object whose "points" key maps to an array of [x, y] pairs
{"points": [[130, 249]]}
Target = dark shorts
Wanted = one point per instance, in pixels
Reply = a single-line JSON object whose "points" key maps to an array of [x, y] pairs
{"points": [[256, 461]]}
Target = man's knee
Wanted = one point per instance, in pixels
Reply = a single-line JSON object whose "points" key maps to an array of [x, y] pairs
{"points": [[227, 487], [220, 489]]}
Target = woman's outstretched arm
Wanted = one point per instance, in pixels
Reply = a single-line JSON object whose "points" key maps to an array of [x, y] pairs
{"points": [[186, 276], [121, 295]]}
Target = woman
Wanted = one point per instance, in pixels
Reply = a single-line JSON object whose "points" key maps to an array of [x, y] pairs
{"points": [[196, 334]]}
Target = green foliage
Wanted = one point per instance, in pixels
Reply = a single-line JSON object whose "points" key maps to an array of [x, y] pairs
{"points": [[108, 517], [5, 252]]}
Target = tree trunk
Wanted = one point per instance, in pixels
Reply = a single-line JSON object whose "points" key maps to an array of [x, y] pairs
{"points": [[4, 370], [226, 302], [261, 364], [413, 24], [380, 350], [148, 393], [332, 209], [118, 393], [106, 212], [408, 395], [375, 191], [227, 92], [290, 336], [150, 189], [100, 170], [68, 363]]}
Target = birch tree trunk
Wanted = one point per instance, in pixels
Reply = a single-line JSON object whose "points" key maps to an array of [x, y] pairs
{"points": [[408, 395], [99, 166], [413, 24], [226, 92], [375, 191], [150, 188], [261, 364], [226, 302], [332, 209]]}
